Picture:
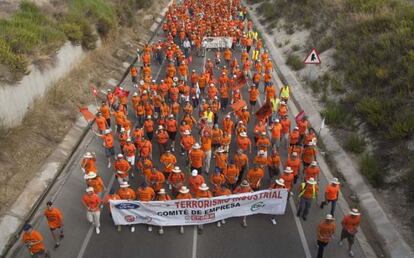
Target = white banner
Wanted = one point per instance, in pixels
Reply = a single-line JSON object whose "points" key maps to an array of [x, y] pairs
{"points": [[198, 211], [217, 42]]}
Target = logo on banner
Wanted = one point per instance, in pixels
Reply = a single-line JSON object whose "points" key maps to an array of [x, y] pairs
{"points": [[257, 206], [127, 206], [129, 218]]}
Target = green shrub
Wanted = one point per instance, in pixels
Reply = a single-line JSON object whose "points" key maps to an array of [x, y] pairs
{"points": [[73, 31], [372, 170], [336, 114], [324, 44], [374, 110], [355, 143], [295, 47], [403, 126], [295, 62]]}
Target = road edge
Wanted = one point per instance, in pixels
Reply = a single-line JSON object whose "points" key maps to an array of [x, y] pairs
{"points": [[395, 245], [26, 204]]}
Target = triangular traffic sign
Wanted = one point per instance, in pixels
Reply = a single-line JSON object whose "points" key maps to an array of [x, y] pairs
{"points": [[313, 57]]}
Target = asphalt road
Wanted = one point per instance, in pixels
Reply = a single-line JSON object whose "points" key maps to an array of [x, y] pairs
{"points": [[291, 237]]}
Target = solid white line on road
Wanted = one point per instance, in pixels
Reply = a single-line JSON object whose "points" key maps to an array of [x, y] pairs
{"points": [[86, 241], [194, 250], [91, 228], [300, 230]]}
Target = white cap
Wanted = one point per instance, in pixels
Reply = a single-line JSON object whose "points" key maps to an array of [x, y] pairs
{"points": [[141, 82], [329, 217], [203, 187], [176, 169], [296, 128], [220, 150], [145, 91], [149, 117], [153, 81], [175, 79], [280, 181], [261, 152], [124, 184], [129, 140], [170, 116], [186, 132], [335, 181], [89, 189], [88, 155], [194, 172], [107, 131], [288, 170], [196, 146], [90, 175], [277, 120], [263, 133], [120, 155], [311, 181], [135, 94], [122, 129], [294, 154], [162, 191], [160, 127], [314, 163], [184, 189], [228, 116], [282, 103], [354, 212], [243, 134]]}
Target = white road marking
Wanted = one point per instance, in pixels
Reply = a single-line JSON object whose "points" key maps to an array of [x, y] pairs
{"points": [[91, 228], [300, 230], [194, 250]]}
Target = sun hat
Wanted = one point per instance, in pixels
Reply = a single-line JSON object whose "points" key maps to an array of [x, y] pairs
{"points": [[124, 184], [194, 172], [176, 169], [280, 181], [89, 189], [203, 187], [184, 189], [311, 181], [335, 181], [90, 175], [288, 170], [354, 212]]}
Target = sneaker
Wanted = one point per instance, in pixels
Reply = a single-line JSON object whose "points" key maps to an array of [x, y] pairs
{"points": [[298, 214], [149, 228], [57, 244], [223, 221], [244, 224], [273, 221], [218, 224], [181, 230], [170, 187], [172, 149], [161, 231], [132, 229], [97, 231], [304, 218], [351, 253], [340, 243], [119, 228], [109, 164]]}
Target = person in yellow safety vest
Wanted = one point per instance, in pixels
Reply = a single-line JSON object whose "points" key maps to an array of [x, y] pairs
{"points": [[255, 55], [308, 191], [252, 34], [284, 93], [275, 107]]}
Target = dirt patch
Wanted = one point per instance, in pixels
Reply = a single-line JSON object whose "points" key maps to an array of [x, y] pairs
{"points": [[24, 148]]}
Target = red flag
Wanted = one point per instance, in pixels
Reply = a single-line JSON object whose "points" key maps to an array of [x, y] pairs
{"points": [[299, 116], [123, 93], [190, 59], [86, 114], [238, 105], [117, 90], [264, 111]]}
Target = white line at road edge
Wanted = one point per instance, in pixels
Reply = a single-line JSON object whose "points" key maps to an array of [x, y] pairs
{"points": [[194, 251], [300, 229], [86, 242]]}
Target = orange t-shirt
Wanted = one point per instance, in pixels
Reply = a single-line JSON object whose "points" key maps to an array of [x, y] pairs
{"points": [[33, 236], [91, 201], [54, 218], [331, 192], [145, 194], [197, 157]]}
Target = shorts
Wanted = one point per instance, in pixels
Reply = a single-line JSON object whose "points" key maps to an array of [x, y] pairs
{"points": [[109, 152], [131, 160], [252, 103], [348, 236], [157, 109], [172, 135]]}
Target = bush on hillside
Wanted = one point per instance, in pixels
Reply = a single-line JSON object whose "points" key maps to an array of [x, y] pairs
{"points": [[355, 143], [372, 170], [295, 62]]}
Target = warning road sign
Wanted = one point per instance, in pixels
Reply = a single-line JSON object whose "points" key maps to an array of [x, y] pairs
{"points": [[313, 57]]}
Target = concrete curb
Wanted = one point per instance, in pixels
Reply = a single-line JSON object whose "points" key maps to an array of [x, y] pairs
{"points": [[394, 244], [26, 203]]}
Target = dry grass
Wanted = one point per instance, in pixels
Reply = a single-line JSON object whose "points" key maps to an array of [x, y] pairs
{"points": [[25, 147]]}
